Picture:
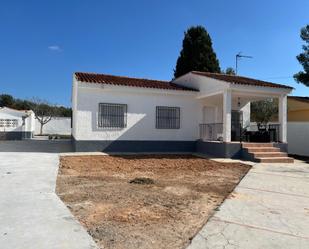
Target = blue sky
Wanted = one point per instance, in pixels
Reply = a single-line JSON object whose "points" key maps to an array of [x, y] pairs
{"points": [[43, 42]]}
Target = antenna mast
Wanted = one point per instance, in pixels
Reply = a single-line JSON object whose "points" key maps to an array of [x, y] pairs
{"points": [[239, 56]]}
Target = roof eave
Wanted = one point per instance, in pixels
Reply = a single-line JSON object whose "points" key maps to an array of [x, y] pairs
{"points": [[261, 89], [281, 86], [119, 86]]}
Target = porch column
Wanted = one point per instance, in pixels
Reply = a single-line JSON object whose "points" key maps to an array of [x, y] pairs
{"points": [[283, 118], [227, 108]]}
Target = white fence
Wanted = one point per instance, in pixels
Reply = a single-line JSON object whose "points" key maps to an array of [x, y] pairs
{"points": [[58, 125], [298, 138]]}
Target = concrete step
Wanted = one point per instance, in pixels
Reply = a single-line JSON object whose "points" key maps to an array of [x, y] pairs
{"points": [[254, 145], [262, 149], [274, 159], [269, 154]]}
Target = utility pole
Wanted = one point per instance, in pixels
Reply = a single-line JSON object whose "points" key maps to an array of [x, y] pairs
{"points": [[239, 56]]}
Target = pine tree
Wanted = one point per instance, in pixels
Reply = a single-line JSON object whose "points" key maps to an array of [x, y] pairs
{"points": [[303, 58], [230, 71], [197, 53]]}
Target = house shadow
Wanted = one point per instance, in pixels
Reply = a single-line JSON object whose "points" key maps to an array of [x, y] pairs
{"points": [[37, 146], [305, 159]]}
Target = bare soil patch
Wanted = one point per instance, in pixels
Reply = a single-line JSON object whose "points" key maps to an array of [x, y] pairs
{"points": [[180, 194]]}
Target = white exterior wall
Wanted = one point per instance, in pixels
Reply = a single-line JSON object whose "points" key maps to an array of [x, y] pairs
{"points": [[246, 114], [57, 125], [141, 113], [283, 118], [11, 116], [7, 113], [74, 105], [30, 123], [244, 108], [206, 86], [298, 138], [227, 111], [216, 102]]}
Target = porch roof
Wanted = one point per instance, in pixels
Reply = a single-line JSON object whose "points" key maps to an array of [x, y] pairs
{"points": [[240, 80]]}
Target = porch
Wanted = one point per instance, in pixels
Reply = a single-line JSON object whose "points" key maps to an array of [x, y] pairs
{"points": [[226, 129], [226, 117], [250, 133]]}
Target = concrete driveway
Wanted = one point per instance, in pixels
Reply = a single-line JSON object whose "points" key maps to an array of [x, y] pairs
{"points": [[268, 209], [31, 214]]}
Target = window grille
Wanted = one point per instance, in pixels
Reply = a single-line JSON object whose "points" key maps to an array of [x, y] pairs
{"points": [[8, 123], [167, 117], [112, 115]]}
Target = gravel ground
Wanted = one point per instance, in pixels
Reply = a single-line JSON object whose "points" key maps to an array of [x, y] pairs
{"points": [[145, 201]]}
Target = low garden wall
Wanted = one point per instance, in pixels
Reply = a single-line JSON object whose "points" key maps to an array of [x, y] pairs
{"points": [[58, 125], [298, 138]]}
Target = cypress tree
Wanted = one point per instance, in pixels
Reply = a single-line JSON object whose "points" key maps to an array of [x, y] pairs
{"points": [[197, 53], [303, 58]]}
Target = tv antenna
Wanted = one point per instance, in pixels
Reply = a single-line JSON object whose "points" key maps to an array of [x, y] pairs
{"points": [[239, 56]]}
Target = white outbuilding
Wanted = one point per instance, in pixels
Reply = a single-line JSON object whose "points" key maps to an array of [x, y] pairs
{"points": [[16, 124]]}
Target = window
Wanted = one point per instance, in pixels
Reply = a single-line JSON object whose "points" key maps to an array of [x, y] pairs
{"points": [[8, 123], [167, 117], [112, 115]]}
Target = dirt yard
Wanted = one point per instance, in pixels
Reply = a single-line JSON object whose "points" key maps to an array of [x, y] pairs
{"points": [[147, 201]]}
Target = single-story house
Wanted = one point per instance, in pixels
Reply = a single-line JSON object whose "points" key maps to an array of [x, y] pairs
{"points": [[16, 124], [197, 112], [298, 125]]}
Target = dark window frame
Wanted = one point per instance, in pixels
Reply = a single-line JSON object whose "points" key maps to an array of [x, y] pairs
{"points": [[112, 120], [168, 117]]}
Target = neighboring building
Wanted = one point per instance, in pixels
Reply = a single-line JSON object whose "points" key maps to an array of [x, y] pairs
{"points": [[298, 125], [197, 112], [16, 124], [56, 126], [298, 109]]}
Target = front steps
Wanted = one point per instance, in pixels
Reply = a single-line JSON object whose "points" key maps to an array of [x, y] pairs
{"points": [[264, 153]]}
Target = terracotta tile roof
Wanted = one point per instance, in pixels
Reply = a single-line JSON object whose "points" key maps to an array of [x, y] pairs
{"points": [[299, 98], [126, 81], [240, 80]]}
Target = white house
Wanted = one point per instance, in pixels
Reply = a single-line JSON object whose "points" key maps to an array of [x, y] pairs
{"points": [[197, 112], [16, 124]]}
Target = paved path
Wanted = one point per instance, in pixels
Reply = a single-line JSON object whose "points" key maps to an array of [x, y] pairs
{"points": [[268, 209], [31, 214]]}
